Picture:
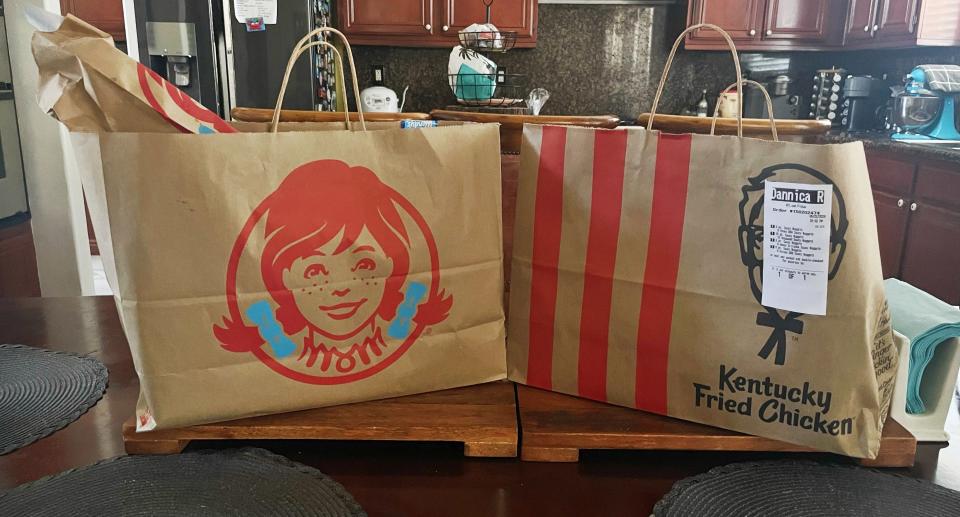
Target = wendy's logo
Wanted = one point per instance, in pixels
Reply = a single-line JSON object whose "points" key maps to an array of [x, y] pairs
{"points": [[155, 87], [340, 276], [751, 247]]}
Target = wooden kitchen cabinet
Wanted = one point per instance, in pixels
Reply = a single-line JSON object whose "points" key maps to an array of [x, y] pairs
{"points": [[431, 23], [387, 17], [931, 256], [106, 15], [892, 181], [918, 222], [507, 15], [767, 24], [874, 24], [860, 19], [803, 21], [741, 20], [892, 217], [898, 18]]}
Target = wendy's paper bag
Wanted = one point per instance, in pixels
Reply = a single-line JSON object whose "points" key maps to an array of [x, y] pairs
{"points": [[260, 272]]}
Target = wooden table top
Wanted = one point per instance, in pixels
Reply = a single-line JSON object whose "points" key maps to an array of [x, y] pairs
{"points": [[386, 478]]}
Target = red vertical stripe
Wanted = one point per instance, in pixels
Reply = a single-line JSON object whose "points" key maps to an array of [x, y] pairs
{"points": [[609, 153], [660, 274], [547, 216]]}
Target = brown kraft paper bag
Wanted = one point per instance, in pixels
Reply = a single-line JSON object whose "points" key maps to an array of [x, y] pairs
{"points": [[260, 272], [637, 279]]}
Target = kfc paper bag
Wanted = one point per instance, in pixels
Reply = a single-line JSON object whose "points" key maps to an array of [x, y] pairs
{"points": [[639, 267]]}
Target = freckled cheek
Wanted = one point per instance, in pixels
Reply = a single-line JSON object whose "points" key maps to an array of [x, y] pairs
{"points": [[308, 291]]}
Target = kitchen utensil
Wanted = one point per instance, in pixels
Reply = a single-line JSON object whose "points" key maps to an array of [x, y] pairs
{"points": [[729, 103], [916, 111], [536, 99], [826, 100]]}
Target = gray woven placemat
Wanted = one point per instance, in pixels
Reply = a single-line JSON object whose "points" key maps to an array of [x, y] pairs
{"points": [[803, 488], [41, 391], [244, 481]]}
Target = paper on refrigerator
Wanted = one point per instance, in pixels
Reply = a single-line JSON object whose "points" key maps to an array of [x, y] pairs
{"points": [[245, 9]]}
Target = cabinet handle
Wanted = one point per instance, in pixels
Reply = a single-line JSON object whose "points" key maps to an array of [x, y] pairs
{"points": [[876, 28], [446, 28], [866, 28], [769, 32], [753, 32], [913, 207], [428, 27], [900, 203]]}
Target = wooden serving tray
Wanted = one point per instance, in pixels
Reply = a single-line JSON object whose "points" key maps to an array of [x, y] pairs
{"points": [[482, 417], [728, 126], [266, 115], [511, 126], [555, 427]]}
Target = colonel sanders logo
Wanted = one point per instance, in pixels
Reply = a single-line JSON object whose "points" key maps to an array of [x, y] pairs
{"points": [[340, 275], [751, 247]]}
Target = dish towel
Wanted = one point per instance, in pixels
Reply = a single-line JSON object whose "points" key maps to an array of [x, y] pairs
{"points": [[927, 321]]}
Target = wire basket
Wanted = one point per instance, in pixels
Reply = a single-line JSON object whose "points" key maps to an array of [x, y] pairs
{"points": [[496, 89], [488, 41]]}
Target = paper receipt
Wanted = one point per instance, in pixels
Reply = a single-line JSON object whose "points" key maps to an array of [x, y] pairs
{"points": [[266, 9], [796, 246]]}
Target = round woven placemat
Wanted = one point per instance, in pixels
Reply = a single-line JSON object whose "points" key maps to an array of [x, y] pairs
{"points": [[798, 488], [41, 391], [244, 481]]}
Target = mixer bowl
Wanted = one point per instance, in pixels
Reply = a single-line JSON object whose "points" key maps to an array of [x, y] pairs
{"points": [[916, 111]]}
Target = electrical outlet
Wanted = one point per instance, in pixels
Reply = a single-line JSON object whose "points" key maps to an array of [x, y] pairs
{"points": [[378, 73]]}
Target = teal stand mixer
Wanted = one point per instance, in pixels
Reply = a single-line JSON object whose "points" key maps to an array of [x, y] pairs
{"points": [[927, 108]]}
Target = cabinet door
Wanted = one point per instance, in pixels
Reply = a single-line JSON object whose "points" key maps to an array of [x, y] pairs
{"points": [[740, 18], [897, 18], [892, 216], [891, 174], [387, 17], [106, 15], [519, 16], [931, 258], [801, 20], [860, 20]]}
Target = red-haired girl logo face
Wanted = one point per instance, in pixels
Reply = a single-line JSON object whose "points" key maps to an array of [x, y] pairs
{"points": [[340, 311], [337, 256]]}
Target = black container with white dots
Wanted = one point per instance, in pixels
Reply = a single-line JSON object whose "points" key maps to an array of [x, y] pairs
{"points": [[826, 103]]}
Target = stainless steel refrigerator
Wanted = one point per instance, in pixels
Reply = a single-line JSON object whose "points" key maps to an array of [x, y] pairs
{"points": [[201, 47]]}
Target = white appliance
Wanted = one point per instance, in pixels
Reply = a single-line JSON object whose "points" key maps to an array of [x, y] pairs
{"points": [[380, 99]]}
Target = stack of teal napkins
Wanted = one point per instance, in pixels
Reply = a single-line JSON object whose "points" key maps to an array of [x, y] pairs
{"points": [[926, 321]]}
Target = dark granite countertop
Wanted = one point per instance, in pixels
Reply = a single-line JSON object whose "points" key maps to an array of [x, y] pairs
{"points": [[882, 142]]}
